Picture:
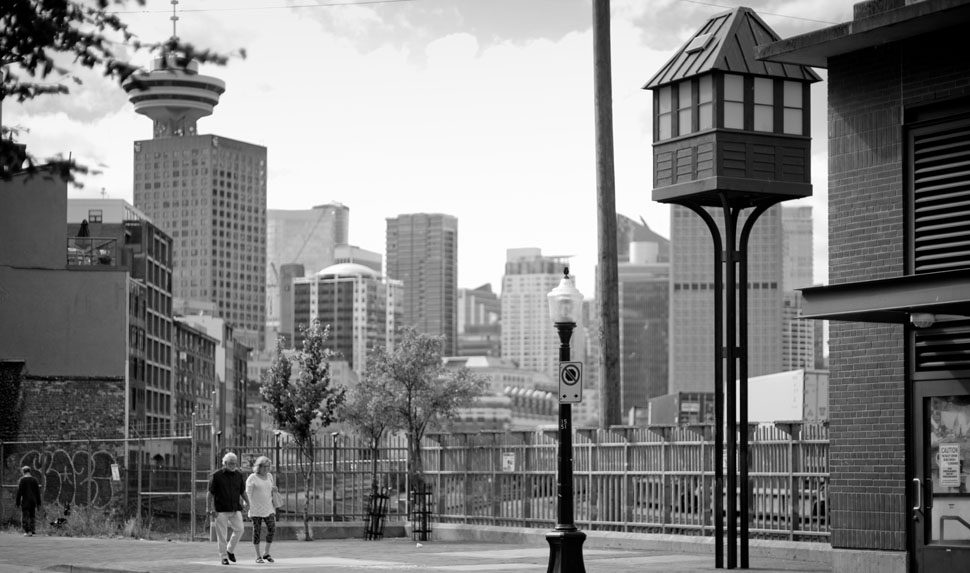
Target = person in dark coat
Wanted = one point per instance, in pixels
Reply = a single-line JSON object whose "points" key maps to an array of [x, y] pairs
{"points": [[28, 500]]}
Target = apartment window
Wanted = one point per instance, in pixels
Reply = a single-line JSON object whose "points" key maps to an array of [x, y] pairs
{"points": [[95, 215]]}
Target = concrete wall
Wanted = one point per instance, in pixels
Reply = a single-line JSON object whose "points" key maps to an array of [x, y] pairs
{"points": [[33, 228]]}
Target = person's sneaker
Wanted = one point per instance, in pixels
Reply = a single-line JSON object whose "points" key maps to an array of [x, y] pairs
{"points": [[26, 535], [268, 558], [225, 562], [232, 557]]}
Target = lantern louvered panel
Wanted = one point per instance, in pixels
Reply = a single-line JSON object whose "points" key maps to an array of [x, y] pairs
{"points": [[941, 199]]}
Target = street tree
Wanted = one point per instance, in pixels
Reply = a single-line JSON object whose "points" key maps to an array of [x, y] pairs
{"points": [[424, 393], [303, 403], [43, 44]]}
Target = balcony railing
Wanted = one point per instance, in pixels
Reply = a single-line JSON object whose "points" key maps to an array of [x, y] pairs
{"points": [[92, 251]]}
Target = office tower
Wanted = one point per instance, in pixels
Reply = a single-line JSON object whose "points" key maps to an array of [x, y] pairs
{"points": [[644, 304], [147, 252], [207, 192], [479, 322], [798, 337], [307, 237], [353, 254], [691, 335], [362, 309], [422, 252], [528, 336]]}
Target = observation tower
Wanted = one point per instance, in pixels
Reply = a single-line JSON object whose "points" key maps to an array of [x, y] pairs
{"points": [[173, 94]]}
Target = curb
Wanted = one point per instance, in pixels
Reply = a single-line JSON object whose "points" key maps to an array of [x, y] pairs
{"points": [[793, 550]]}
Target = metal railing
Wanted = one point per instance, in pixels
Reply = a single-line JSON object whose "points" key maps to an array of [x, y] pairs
{"points": [[657, 480], [92, 251], [649, 480]]}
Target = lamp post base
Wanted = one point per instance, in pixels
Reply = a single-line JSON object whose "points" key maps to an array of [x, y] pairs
{"points": [[566, 551]]}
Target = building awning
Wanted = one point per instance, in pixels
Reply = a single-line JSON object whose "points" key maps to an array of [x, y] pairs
{"points": [[914, 19], [944, 294]]}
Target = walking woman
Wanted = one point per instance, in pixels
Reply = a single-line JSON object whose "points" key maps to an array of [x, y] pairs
{"points": [[259, 489]]}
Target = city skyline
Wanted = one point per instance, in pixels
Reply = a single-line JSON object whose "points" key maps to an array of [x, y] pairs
{"points": [[427, 106]]}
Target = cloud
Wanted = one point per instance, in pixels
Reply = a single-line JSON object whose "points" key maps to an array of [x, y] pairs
{"points": [[479, 109]]}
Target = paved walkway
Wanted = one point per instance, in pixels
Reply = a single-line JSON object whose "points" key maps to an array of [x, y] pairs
{"points": [[119, 555]]}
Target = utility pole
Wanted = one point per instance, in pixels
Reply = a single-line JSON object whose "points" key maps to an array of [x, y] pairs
{"points": [[607, 281]]}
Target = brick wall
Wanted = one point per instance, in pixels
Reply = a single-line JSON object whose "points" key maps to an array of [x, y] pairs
{"points": [[62, 408], [866, 233], [869, 93]]}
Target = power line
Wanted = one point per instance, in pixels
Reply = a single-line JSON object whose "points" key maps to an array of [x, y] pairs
{"points": [[760, 12], [328, 5]]}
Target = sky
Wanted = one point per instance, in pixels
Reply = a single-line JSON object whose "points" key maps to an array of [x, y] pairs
{"points": [[481, 109]]}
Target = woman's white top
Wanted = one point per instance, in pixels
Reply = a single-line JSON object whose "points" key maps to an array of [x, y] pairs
{"points": [[260, 492]]}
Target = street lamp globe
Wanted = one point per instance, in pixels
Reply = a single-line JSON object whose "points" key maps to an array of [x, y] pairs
{"points": [[565, 301]]}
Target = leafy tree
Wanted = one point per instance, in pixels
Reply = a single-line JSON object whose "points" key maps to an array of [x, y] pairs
{"points": [[421, 390], [302, 404], [38, 36]]}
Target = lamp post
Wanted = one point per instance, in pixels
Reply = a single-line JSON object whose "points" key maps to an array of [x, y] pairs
{"points": [[565, 541]]}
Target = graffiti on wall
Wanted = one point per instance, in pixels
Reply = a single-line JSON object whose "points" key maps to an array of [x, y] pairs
{"points": [[81, 478]]}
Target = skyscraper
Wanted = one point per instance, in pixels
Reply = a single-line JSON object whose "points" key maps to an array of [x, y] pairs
{"points": [[644, 306], [691, 335], [207, 192], [305, 237], [528, 336], [422, 252], [362, 309], [798, 337]]}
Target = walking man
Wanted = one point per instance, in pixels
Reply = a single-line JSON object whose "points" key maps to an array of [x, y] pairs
{"points": [[28, 500], [225, 502]]}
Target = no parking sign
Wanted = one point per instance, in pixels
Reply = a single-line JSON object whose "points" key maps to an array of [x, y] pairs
{"points": [[570, 382]]}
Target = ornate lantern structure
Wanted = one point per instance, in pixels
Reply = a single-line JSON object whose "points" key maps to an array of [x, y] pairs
{"points": [[731, 135]]}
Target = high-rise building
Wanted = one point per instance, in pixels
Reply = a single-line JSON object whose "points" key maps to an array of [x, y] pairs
{"points": [[644, 305], [422, 252], [797, 250], [691, 334], [354, 254], [479, 322], [362, 309], [798, 337], [207, 192], [307, 237], [528, 336]]}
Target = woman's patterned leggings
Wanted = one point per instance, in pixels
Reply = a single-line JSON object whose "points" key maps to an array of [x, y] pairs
{"points": [[270, 528]]}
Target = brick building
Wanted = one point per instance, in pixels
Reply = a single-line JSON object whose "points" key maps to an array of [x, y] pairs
{"points": [[899, 281]]}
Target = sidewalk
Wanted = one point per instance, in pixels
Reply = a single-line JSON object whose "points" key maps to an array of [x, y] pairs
{"points": [[119, 555]]}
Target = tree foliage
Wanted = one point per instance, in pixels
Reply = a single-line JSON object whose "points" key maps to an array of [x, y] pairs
{"points": [[37, 40], [303, 403], [369, 409], [421, 392]]}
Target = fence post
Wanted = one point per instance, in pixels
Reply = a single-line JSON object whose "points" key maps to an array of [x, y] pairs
{"points": [[495, 461], [665, 493], [192, 477], [528, 467], [794, 481], [626, 487], [3, 464]]}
